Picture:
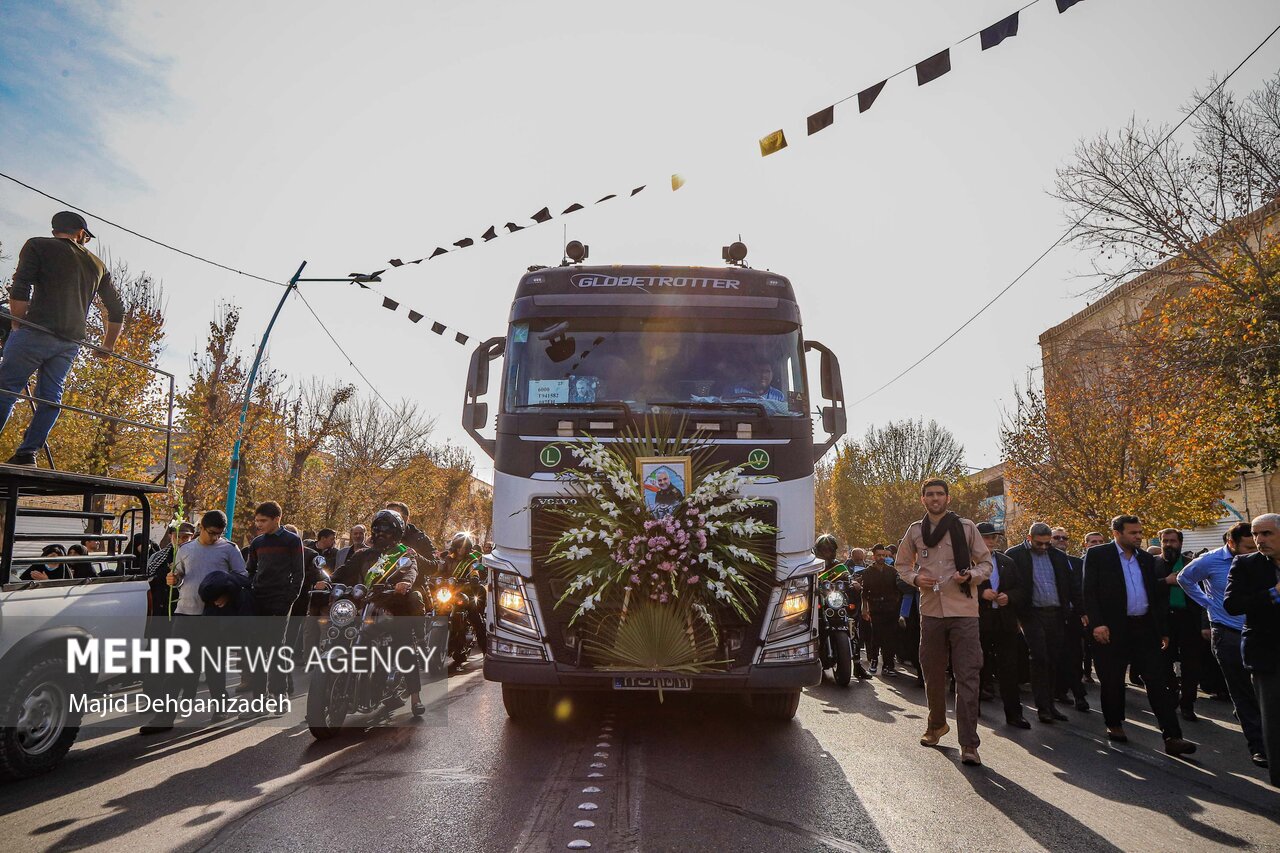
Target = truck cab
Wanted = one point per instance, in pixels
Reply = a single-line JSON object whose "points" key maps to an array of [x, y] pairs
{"points": [[606, 350]]}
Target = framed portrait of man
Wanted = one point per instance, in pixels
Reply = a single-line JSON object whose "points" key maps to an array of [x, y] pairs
{"points": [[665, 480]]}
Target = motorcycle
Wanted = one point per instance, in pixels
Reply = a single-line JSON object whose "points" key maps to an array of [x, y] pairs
{"points": [[354, 617], [454, 599], [835, 643]]}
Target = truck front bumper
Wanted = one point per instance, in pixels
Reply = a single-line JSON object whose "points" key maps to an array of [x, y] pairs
{"points": [[761, 677]]}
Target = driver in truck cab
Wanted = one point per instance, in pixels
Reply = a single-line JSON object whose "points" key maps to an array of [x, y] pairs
{"points": [[387, 531]]}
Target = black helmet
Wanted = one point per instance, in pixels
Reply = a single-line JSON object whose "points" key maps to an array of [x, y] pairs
{"points": [[461, 543], [826, 546], [388, 521]]}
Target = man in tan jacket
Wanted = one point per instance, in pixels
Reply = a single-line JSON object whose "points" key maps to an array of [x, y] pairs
{"points": [[946, 558]]}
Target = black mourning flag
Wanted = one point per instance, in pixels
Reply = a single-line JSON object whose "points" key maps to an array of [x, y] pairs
{"points": [[638, 189], [461, 338], [821, 120], [438, 252], [999, 31], [933, 67], [606, 198], [1064, 5], [513, 228], [868, 96], [438, 328], [541, 216], [464, 243], [396, 262], [491, 234], [414, 316], [390, 304], [573, 208]]}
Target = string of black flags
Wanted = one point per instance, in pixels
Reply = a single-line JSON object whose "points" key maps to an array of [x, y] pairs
{"points": [[926, 70]]}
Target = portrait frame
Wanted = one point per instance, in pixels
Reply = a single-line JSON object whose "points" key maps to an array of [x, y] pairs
{"points": [[679, 470]]}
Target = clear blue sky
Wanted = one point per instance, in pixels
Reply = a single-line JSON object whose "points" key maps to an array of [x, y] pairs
{"points": [[346, 134]]}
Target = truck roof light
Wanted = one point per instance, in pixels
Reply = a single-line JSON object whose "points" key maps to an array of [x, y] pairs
{"points": [[735, 253], [576, 252]]}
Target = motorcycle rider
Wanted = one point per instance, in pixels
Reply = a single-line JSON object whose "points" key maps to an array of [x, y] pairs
{"points": [[462, 561], [825, 548], [387, 530]]}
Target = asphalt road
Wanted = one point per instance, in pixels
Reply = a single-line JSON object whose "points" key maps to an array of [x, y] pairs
{"points": [[686, 774]]}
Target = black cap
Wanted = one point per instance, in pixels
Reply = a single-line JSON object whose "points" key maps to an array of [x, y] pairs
{"points": [[986, 528], [69, 222]]}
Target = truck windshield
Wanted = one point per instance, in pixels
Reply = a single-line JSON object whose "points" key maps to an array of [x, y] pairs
{"points": [[655, 364]]}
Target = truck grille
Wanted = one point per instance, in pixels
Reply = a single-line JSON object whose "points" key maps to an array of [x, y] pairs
{"points": [[547, 525]]}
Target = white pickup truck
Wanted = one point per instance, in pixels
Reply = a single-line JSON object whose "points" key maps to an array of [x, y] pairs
{"points": [[39, 507], [36, 620]]}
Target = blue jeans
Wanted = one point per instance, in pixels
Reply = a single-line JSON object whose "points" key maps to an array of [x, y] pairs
{"points": [[25, 352]]}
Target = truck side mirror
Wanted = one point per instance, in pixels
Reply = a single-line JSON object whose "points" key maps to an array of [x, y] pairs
{"points": [[835, 420], [478, 415], [475, 414]]}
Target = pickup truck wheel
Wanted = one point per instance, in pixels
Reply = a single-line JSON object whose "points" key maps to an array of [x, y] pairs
{"points": [[525, 704], [39, 704], [781, 706]]}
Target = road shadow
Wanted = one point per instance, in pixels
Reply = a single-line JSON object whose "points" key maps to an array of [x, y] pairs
{"points": [[1046, 824], [803, 801], [1184, 790]]}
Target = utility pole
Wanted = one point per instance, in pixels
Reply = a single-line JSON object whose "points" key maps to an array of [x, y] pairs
{"points": [[234, 479]]}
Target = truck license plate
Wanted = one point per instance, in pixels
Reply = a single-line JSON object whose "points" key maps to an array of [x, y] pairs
{"points": [[652, 682]]}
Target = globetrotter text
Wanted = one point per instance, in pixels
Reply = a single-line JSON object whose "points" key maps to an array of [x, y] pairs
{"points": [[118, 656]]}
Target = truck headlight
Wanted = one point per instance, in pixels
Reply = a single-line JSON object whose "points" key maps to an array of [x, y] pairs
{"points": [[342, 613], [791, 616], [513, 609]]}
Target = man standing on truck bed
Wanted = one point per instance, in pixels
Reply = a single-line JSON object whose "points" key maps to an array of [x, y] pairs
{"points": [[54, 285]]}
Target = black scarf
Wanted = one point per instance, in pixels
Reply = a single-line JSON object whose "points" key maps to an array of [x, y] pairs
{"points": [[959, 543]]}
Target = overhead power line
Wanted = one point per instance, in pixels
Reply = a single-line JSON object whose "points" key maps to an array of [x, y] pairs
{"points": [[1070, 228], [141, 236]]}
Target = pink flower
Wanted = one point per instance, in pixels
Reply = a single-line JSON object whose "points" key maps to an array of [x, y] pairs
{"points": [[693, 579], [662, 599], [635, 579]]}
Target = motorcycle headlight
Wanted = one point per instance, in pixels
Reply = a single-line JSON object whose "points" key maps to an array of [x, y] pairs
{"points": [[835, 598], [513, 609], [444, 595], [342, 613]]}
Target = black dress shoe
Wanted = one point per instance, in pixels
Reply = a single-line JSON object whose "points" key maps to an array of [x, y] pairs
{"points": [[155, 728], [1018, 722], [1117, 735], [1046, 717], [1178, 746], [21, 458], [1190, 714], [1260, 759], [417, 707], [1082, 704], [1058, 715]]}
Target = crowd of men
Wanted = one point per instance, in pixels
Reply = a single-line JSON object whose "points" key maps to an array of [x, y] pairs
{"points": [[981, 622], [198, 577]]}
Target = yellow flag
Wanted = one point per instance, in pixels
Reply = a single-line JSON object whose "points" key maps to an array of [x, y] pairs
{"points": [[773, 143], [676, 182]]}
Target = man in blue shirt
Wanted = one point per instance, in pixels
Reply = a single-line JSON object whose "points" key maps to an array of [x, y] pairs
{"points": [[1204, 581], [759, 384]]}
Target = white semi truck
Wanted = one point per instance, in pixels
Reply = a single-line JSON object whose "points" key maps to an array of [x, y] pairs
{"points": [[604, 349]]}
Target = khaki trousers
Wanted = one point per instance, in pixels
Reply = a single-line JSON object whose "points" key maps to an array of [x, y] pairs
{"points": [[953, 638]]}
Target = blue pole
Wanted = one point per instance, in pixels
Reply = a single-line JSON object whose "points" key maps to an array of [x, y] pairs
{"points": [[234, 479]]}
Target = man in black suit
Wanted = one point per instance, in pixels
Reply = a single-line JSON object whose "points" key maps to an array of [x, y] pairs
{"points": [[1127, 602], [1048, 597], [998, 600], [1253, 591], [1185, 621], [1072, 630]]}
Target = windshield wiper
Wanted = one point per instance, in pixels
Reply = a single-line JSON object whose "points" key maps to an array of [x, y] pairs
{"points": [[714, 404], [598, 406]]}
